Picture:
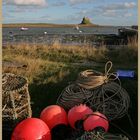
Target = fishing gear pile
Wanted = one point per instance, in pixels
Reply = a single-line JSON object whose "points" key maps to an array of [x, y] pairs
{"points": [[102, 92], [83, 111]]}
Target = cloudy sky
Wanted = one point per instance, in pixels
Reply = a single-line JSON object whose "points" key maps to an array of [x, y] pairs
{"points": [[103, 12]]}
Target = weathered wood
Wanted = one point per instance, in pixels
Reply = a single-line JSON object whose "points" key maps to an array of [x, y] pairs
{"points": [[13, 64]]}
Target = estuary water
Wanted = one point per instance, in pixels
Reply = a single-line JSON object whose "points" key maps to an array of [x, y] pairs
{"points": [[48, 35]]}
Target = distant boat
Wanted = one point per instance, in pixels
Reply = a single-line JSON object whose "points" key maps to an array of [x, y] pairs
{"points": [[45, 33], [23, 29]]}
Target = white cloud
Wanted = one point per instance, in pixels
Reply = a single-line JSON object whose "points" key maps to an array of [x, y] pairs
{"points": [[89, 12], [74, 17], [47, 18], [128, 14], [27, 2], [119, 6], [111, 10], [109, 13], [74, 2], [130, 4], [59, 4], [83, 12]]}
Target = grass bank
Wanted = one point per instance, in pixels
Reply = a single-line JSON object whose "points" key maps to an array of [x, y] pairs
{"points": [[51, 68], [45, 25]]}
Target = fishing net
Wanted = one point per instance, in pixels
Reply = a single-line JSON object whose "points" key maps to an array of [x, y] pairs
{"points": [[101, 136], [15, 100], [101, 92], [95, 135]]}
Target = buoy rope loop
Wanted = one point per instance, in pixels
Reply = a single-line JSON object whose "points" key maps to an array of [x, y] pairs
{"points": [[90, 79]]}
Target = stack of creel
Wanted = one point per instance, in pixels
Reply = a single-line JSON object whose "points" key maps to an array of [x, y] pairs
{"points": [[15, 100]]}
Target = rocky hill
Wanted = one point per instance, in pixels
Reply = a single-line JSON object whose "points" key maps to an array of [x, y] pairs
{"points": [[85, 20]]}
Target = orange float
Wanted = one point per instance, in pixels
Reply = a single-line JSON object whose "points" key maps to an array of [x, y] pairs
{"points": [[31, 129], [54, 115], [78, 113], [97, 120]]}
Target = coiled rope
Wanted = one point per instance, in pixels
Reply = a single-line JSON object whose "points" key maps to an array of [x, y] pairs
{"points": [[73, 95], [99, 91], [90, 79], [111, 100]]}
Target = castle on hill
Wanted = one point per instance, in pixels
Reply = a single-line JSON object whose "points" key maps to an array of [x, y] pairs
{"points": [[85, 20]]}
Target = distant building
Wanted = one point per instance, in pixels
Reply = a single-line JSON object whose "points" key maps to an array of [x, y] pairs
{"points": [[86, 20]]}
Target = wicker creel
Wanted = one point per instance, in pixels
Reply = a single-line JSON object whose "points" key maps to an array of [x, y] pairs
{"points": [[15, 100]]}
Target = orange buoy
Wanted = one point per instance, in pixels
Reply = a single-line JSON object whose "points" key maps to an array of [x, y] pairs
{"points": [[97, 120], [31, 129], [78, 113], [54, 115]]}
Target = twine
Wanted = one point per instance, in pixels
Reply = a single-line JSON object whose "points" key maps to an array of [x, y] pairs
{"points": [[90, 79], [98, 91]]}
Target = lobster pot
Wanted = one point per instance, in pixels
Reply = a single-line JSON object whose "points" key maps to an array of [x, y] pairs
{"points": [[110, 99], [15, 100]]}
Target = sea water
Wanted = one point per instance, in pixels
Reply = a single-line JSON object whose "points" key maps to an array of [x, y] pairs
{"points": [[61, 34]]}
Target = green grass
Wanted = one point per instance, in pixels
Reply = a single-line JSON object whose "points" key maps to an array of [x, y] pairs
{"points": [[51, 68]]}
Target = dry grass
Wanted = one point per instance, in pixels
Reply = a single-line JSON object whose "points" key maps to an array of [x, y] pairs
{"points": [[35, 65], [57, 51], [127, 55], [52, 62], [42, 59]]}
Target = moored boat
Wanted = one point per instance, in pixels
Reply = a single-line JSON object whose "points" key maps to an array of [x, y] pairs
{"points": [[23, 29]]}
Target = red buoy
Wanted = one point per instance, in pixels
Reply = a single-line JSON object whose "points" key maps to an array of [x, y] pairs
{"points": [[31, 129], [54, 115], [78, 113], [95, 121]]}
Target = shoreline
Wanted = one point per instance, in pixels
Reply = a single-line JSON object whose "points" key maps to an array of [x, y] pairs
{"points": [[50, 25], [13, 25]]}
